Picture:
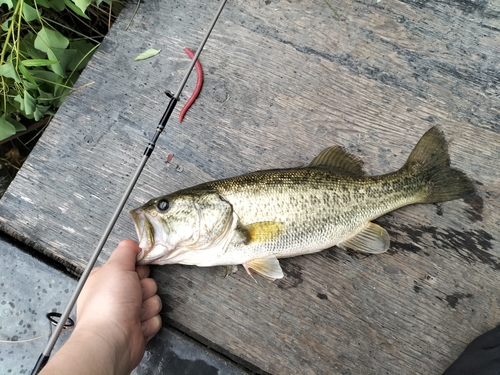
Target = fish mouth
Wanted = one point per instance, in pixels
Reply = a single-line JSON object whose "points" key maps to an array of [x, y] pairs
{"points": [[139, 218], [149, 234]]}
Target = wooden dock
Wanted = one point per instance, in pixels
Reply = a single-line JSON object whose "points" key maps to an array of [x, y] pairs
{"points": [[283, 80]]}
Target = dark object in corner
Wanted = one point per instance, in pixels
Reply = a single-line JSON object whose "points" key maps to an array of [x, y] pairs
{"points": [[480, 357]]}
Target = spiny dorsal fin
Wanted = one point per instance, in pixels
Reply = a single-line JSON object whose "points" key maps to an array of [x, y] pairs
{"points": [[373, 239], [263, 231], [339, 159]]}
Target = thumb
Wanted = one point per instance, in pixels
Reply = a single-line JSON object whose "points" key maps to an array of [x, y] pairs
{"points": [[124, 256]]}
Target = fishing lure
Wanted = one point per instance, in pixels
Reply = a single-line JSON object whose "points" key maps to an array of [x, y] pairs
{"points": [[197, 89]]}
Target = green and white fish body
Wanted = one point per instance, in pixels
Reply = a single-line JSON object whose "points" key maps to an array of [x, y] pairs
{"points": [[256, 218]]}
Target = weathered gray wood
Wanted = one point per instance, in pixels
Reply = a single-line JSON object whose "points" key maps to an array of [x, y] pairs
{"points": [[284, 79]]}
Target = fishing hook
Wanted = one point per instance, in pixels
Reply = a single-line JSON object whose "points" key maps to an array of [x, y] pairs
{"points": [[44, 357]]}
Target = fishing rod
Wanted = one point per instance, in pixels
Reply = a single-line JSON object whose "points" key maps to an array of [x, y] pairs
{"points": [[44, 357]]}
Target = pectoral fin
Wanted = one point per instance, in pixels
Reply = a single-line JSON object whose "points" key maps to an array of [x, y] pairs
{"points": [[373, 239], [262, 231], [269, 267]]}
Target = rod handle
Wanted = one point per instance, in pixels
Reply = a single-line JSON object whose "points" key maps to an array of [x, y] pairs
{"points": [[40, 364]]}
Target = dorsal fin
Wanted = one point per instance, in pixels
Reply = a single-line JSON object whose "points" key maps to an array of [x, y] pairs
{"points": [[339, 159]]}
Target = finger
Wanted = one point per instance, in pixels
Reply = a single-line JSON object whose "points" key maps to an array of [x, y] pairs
{"points": [[124, 256], [149, 288], [150, 307], [143, 271], [151, 327]]}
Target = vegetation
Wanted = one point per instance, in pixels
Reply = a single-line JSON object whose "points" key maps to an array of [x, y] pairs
{"points": [[45, 44]]}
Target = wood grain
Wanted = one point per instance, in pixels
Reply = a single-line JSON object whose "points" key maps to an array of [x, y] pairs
{"points": [[283, 80]]}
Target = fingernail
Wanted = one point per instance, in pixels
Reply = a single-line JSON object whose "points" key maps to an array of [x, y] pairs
{"points": [[144, 328]]}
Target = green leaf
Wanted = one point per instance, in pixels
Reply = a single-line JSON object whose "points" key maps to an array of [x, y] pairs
{"points": [[7, 70], [77, 9], [62, 93], [5, 25], [40, 111], [9, 3], [27, 47], [17, 125], [44, 75], [59, 87], [11, 106], [83, 55], [29, 103], [26, 74], [29, 13], [57, 5], [43, 3], [147, 54], [30, 86], [38, 62], [6, 128], [82, 4], [46, 80], [19, 102], [63, 58], [47, 39], [44, 97]]}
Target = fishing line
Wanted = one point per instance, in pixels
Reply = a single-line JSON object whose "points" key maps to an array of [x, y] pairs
{"points": [[44, 357], [52, 322]]}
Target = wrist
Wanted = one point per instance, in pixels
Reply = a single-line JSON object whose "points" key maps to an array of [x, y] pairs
{"points": [[107, 349], [89, 352]]}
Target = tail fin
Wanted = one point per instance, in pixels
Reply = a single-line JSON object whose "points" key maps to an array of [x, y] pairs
{"points": [[431, 160]]}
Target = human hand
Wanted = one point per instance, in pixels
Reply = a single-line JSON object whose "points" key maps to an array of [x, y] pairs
{"points": [[117, 314]]}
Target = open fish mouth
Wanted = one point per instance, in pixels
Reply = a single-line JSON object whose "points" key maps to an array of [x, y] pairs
{"points": [[142, 228], [149, 233]]}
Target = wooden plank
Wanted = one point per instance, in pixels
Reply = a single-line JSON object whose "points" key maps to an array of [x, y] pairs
{"points": [[283, 80]]}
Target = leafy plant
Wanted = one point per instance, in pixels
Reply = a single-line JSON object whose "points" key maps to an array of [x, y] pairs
{"points": [[38, 64]]}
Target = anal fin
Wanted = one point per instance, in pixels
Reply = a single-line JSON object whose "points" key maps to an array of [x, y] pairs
{"points": [[268, 267], [373, 239]]}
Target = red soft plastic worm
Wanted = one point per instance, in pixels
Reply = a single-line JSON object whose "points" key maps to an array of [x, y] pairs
{"points": [[197, 89]]}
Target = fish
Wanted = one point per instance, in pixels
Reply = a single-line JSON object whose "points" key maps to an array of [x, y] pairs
{"points": [[257, 218]]}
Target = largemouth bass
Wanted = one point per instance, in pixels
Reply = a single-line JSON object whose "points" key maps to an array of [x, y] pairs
{"points": [[256, 218]]}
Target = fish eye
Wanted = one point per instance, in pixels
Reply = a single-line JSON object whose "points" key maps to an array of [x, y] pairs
{"points": [[162, 205]]}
